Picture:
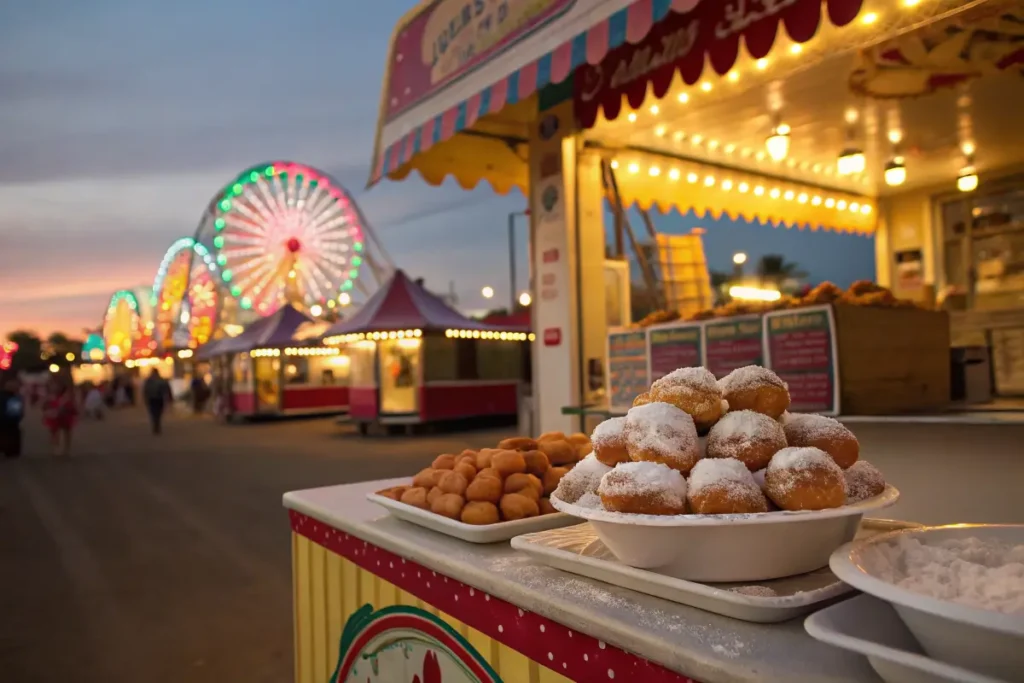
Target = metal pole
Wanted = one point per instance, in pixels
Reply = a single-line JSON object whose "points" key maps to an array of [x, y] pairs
{"points": [[512, 262]]}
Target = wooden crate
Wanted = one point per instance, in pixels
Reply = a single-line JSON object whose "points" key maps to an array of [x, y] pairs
{"points": [[892, 360]]}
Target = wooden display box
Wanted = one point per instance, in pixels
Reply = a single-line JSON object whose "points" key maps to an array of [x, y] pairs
{"points": [[892, 360]]}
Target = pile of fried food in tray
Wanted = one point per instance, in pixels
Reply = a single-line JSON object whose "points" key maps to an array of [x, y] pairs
{"points": [[756, 456], [503, 484], [860, 293]]}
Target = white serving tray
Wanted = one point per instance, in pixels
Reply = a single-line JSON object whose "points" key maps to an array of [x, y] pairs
{"points": [[871, 627], [472, 533], [578, 550]]}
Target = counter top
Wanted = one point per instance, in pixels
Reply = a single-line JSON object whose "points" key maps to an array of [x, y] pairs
{"points": [[704, 646]]}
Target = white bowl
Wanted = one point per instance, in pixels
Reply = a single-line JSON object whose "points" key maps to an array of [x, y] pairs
{"points": [[729, 548], [980, 640]]}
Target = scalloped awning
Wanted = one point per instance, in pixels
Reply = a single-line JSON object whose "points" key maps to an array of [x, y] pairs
{"points": [[451, 64]]}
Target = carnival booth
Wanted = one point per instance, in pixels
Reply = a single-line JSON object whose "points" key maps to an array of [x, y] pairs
{"points": [[756, 109], [415, 360], [273, 373]]}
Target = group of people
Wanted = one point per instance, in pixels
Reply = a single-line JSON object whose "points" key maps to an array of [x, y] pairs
{"points": [[62, 406]]}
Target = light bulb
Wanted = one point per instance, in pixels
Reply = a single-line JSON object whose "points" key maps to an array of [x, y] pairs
{"points": [[851, 161], [777, 144], [895, 172], [968, 179]]}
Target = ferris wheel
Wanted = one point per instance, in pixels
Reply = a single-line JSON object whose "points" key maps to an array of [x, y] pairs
{"points": [[284, 232]]}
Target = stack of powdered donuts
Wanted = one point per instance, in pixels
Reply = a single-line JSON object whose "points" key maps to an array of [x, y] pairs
{"points": [[510, 482], [756, 457]]}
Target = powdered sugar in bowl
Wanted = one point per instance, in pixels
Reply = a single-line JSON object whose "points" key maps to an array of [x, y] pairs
{"points": [[728, 548], [959, 589]]}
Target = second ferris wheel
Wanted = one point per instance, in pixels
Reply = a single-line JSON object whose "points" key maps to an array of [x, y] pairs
{"points": [[284, 232]]}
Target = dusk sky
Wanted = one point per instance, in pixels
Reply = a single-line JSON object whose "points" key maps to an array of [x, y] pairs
{"points": [[119, 120]]}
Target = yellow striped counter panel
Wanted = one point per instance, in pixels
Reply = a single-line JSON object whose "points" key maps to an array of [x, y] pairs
{"points": [[378, 600]]}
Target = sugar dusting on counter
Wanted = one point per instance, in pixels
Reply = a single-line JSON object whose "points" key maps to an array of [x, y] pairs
{"points": [[982, 573]]}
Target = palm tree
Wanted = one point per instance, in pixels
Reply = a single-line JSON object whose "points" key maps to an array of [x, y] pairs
{"points": [[776, 269]]}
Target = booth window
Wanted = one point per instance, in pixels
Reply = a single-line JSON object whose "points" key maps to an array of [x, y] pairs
{"points": [[499, 360], [296, 371], [440, 356], [240, 369], [363, 359], [984, 246]]}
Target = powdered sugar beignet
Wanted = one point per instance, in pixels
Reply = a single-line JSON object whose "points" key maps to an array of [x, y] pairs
{"points": [[661, 432]]}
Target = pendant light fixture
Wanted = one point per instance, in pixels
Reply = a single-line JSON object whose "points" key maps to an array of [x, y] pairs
{"points": [[777, 142], [967, 179], [895, 169], [851, 160]]}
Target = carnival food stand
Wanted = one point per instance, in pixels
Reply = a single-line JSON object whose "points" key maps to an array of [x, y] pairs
{"points": [[414, 359], [546, 97], [274, 370]]}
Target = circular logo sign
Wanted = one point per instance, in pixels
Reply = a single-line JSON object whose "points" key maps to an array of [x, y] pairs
{"points": [[548, 127], [406, 644]]}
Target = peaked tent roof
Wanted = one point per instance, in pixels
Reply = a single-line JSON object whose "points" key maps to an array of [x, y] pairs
{"points": [[402, 304], [277, 329]]}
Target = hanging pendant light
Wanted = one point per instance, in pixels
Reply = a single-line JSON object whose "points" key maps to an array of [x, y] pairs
{"points": [[895, 172], [967, 180], [777, 144], [851, 160]]}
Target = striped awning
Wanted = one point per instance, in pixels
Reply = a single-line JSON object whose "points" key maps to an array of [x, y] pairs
{"points": [[451, 62]]}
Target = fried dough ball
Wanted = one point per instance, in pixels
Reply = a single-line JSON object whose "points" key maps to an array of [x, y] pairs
{"points": [[394, 493], [645, 488], [517, 506], [694, 391], [433, 494], [469, 458], [444, 462], [448, 505], [466, 469], [609, 440], [752, 438], [483, 457], [526, 484], [485, 490], [581, 442], [453, 482], [427, 478], [552, 477], [416, 496], [722, 486], [582, 479], [479, 512], [558, 452], [536, 462], [508, 462], [805, 479], [818, 431], [546, 508], [518, 443], [864, 287], [753, 387], [863, 481], [489, 472], [643, 399], [551, 436], [662, 432]]}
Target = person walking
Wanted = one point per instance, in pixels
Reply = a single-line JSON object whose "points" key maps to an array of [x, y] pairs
{"points": [[156, 391], [12, 410], [59, 416]]}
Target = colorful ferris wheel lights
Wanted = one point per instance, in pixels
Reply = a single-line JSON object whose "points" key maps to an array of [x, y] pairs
{"points": [[226, 275], [358, 246], [219, 224], [236, 291], [245, 302], [218, 242]]}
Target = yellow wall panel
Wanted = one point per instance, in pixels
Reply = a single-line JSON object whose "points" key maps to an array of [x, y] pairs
{"points": [[319, 597], [337, 609], [304, 618]]}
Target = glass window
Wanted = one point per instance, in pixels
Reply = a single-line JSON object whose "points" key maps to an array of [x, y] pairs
{"points": [[499, 360], [296, 371], [362, 364], [440, 358], [241, 368], [399, 376]]}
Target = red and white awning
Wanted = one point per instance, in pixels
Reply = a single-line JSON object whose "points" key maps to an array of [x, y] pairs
{"points": [[452, 62]]}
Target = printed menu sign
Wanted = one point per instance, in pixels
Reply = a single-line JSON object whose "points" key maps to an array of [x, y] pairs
{"points": [[733, 343], [674, 347], [627, 367], [801, 349]]}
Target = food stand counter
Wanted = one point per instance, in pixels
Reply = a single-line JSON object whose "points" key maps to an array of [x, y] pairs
{"points": [[489, 610]]}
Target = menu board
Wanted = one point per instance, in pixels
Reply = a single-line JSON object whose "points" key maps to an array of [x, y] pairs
{"points": [[801, 348], [733, 343], [627, 367], [673, 347]]}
